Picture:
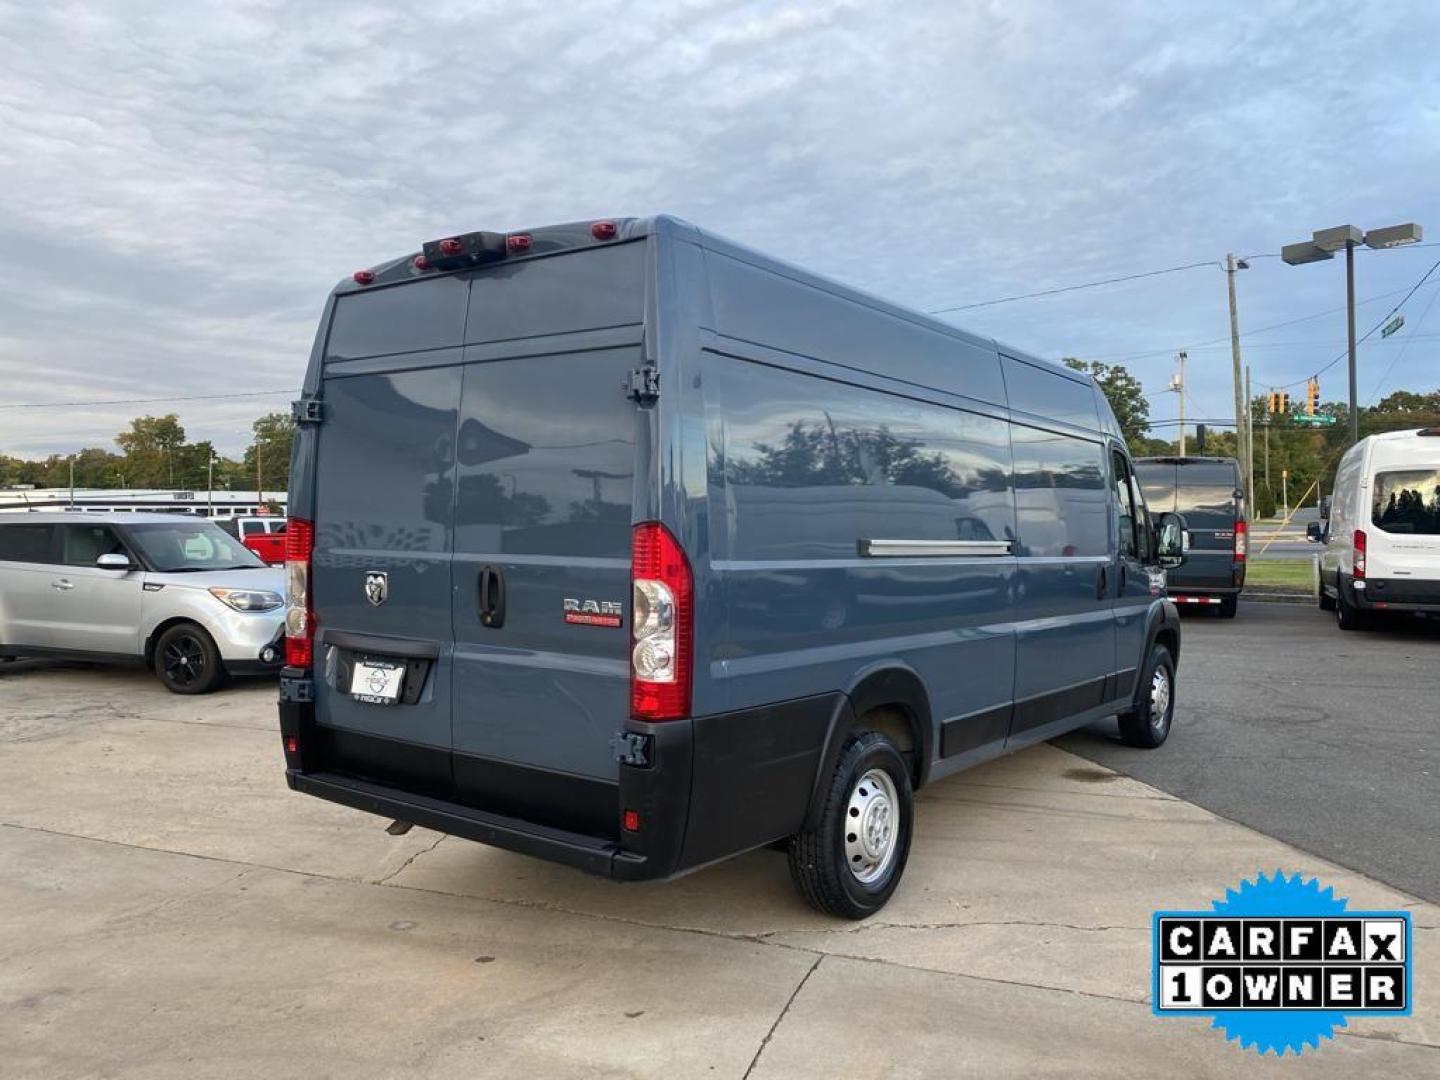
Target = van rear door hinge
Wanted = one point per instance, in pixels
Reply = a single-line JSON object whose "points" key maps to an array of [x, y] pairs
{"points": [[631, 748], [307, 410], [643, 385]]}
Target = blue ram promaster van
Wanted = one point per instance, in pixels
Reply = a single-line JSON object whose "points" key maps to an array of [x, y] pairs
{"points": [[621, 545]]}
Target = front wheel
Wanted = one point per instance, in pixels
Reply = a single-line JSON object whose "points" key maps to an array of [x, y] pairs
{"points": [[851, 862], [1147, 725], [187, 660]]}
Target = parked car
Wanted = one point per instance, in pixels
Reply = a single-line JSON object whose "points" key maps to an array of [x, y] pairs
{"points": [[1209, 493], [1382, 534], [263, 535], [621, 545], [170, 591]]}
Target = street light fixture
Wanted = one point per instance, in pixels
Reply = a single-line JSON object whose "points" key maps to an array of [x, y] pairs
{"points": [[1322, 245]]}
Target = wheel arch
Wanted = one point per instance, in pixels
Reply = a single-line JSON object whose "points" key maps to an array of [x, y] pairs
{"points": [[152, 639], [888, 697]]}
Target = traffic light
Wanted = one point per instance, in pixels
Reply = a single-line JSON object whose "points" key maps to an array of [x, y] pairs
{"points": [[1282, 401], [1312, 395], [1200, 432]]}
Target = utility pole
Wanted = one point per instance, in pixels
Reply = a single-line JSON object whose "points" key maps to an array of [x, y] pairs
{"points": [[1243, 451], [1249, 459], [259, 490], [72, 481], [210, 485], [1267, 451], [1350, 319], [1177, 383]]}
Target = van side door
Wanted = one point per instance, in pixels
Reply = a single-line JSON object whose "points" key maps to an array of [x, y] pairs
{"points": [[1133, 591]]}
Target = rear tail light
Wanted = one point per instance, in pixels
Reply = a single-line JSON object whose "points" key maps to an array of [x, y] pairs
{"points": [[518, 243], [1242, 538], [662, 625], [604, 230], [1359, 554], [299, 614]]}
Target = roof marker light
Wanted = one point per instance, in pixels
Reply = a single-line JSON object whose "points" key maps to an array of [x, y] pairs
{"points": [[518, 243], [364, 277], [451, 246], [604, 230], [419, 262]]}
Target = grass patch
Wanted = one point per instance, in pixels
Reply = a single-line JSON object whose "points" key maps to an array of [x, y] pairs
{"points": [[1292, 573]]}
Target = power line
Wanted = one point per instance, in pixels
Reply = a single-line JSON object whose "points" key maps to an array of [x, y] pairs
{"points": [[1408, 339], [1383, 320], [1071, 288], [142, 401]]}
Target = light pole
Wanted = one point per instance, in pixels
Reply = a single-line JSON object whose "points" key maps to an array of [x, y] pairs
{"points": [[1322, 245]]}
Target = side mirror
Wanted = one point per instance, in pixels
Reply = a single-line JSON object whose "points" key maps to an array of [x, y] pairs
{"points": [[1171, 540], [114, 561], [1314, 532]]}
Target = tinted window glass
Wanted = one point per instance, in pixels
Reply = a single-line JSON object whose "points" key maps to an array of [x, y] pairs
{"points": [[1407, 502], [1206, 496], [25, 543], [1060, 495], [188, 545], [403, 318], [83, 544], [547, 455], [1124, 504], [810, 467]]}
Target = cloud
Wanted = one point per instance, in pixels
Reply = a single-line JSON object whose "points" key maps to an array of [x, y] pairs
{"points": [[184, 183]]}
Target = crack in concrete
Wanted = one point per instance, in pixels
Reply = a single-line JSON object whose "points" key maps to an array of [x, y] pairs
{"points": [[762, 938], [406, 864], [789, 1001], [877, 925]]}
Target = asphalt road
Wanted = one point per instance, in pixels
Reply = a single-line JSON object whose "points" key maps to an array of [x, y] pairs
{"points": [[1327, 740]]}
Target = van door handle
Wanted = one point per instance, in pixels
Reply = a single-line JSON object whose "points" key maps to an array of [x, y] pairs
{"points": [[1102, 584], [492, 597], [63, 584]]}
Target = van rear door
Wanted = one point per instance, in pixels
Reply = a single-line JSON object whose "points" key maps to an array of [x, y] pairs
{"points": [[384, 474], [547, 453], [1205, 493]]}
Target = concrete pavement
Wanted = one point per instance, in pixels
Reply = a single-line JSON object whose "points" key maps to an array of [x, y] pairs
{"points": [[169, 909]]}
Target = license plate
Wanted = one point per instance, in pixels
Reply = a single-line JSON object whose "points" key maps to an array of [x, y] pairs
{"points": [[376, 682]]}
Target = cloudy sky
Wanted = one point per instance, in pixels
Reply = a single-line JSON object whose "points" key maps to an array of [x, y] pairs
{"points": [[181, 183]]}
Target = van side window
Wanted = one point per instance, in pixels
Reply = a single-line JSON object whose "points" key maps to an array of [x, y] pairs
{"points": [[83, 544], [1143, 537], [25, 543], [1060, 497], [1124, 505]]}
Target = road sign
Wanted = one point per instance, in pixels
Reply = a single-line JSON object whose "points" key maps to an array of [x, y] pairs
{"points": [[1313, 419], [1391, 326]]}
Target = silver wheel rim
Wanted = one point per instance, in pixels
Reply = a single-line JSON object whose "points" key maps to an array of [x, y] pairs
{"points": [[1159, 699], [872, 827]]}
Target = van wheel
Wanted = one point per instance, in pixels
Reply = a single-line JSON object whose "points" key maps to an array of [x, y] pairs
{"points": [[1148, 724], [850, 863], [187, 660], [1346, 616], [1327, 602], [1228, 606]]}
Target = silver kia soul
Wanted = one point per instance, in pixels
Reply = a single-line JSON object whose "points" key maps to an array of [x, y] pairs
{"points": [[173, 592]]}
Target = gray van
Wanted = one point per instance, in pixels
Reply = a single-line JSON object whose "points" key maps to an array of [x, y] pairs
{"points": [[1209, 493], [621, 545]]}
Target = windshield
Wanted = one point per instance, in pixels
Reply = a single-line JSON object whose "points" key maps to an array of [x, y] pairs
{"points": [[1407, 502], [190, 545]]}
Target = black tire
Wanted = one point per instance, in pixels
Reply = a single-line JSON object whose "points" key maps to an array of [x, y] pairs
{"points": [[1347, 617], [819, 863], [1144, 726], [1228, 606], [187, 660]]}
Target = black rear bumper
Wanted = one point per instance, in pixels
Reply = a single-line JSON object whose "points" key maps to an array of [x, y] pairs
{"points": [[1392, 594], [709, 787]]}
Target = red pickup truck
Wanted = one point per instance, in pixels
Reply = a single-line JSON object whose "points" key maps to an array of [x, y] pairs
{"points": [[263, 535]]}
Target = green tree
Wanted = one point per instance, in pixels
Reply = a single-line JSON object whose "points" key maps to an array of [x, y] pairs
{"points": [[274, 435], [1125, 395], [150, 448]]}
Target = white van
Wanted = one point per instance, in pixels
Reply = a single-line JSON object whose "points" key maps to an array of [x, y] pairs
{"points": [[1382, 536]]}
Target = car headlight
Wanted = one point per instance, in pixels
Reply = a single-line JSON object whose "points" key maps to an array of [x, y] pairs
{"points": [[248, 599]]}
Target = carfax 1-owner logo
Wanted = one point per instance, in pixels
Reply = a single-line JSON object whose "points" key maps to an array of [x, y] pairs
{"points": [[1278, 963]]}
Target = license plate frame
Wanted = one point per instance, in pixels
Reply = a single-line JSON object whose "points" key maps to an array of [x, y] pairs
{"points": [[377, 681]]}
